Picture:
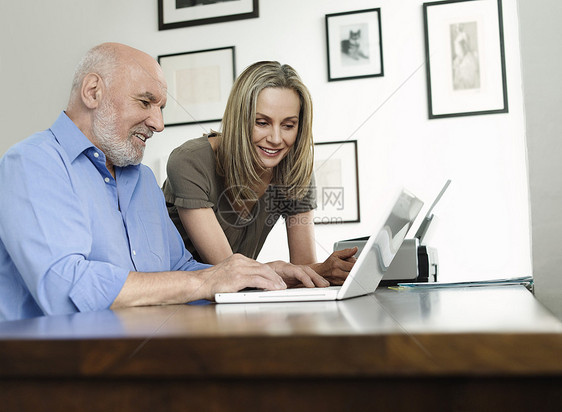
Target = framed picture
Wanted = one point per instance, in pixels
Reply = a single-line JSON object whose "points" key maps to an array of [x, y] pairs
{"points": [[465, 58], [173, 14], [337, 182], [354, 41], [199, 83]]}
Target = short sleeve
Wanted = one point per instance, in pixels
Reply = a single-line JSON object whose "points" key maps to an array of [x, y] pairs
{"points": [[308, 202], [191, 181]]}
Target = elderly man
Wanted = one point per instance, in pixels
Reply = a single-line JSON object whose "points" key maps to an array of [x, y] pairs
{"points": [[83, 225]]}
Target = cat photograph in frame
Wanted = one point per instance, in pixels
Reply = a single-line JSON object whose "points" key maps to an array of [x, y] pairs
{"points": [[337, 182], [354, 43], [465, 58], [199, 83]]}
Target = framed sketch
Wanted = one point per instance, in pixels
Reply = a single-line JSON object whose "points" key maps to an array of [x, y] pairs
{"points": [[465, 58], [337, 182], [173, 14], [354, 41], [199, 83]]}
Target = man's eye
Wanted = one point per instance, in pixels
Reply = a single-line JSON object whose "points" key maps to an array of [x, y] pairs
{"points": [[145, 103]]}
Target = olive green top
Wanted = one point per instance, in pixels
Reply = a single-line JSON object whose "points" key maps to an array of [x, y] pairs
{"points": [[193, 183]]}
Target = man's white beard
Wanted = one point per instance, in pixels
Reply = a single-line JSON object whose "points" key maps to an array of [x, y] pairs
{"points": [[119, 151]]}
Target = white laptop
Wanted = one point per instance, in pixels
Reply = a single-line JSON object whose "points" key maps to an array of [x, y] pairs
{"points": [[374, 260]]}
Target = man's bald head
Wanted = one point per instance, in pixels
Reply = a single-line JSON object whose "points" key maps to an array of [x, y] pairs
{"points": [[109, 60]]}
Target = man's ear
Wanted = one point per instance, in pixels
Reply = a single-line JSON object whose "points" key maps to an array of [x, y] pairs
{"points": [[92, 90]]}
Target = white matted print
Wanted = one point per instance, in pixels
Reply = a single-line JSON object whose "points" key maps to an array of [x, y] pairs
{"points": [[337, 183], [199, 83], [465, 58], [354, 41]]}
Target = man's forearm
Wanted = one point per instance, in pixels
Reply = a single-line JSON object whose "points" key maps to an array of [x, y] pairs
{"points": [[160, 288]]}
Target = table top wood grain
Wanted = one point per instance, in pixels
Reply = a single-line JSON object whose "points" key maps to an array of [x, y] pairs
{"points": [[478, 331]]}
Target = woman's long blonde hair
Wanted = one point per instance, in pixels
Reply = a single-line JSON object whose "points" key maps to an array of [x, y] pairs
{"points": [[237, 160]]}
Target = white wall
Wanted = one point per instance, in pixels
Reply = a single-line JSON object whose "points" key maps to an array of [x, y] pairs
{"points": [[483, 228], [542, 64]]}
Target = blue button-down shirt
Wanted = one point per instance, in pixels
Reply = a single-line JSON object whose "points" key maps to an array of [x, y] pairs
{"points": [[70, 233]]}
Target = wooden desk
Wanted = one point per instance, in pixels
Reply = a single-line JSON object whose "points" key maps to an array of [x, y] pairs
{"points": [[487, 348]]}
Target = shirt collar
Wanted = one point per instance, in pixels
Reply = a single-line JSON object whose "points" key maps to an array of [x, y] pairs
{"points": [[70, 137], [74, 142]]}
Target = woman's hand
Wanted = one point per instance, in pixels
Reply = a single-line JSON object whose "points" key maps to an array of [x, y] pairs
{"points": [[338, 265], [298, 275]]}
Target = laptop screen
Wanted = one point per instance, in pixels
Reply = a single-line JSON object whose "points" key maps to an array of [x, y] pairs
{"points": [[394, 230], [382, 246]]}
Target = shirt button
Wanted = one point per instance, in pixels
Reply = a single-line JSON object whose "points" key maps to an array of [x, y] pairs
{"points": [[96, 154], [106, 180], [134, 253]]}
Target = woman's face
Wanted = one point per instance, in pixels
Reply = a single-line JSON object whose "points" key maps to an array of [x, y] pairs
{"points": [[276, 127]]}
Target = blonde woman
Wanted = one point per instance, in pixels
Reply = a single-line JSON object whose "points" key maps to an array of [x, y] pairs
{"points": [[225, 191]]}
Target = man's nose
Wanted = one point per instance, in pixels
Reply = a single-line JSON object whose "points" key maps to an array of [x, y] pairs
{"points": [[156, 120]]}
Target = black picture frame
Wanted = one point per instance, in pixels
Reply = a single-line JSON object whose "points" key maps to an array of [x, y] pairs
{"points": [[354, 44], [199, 84], [465, 72], [197, 12], [336, 172]]}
